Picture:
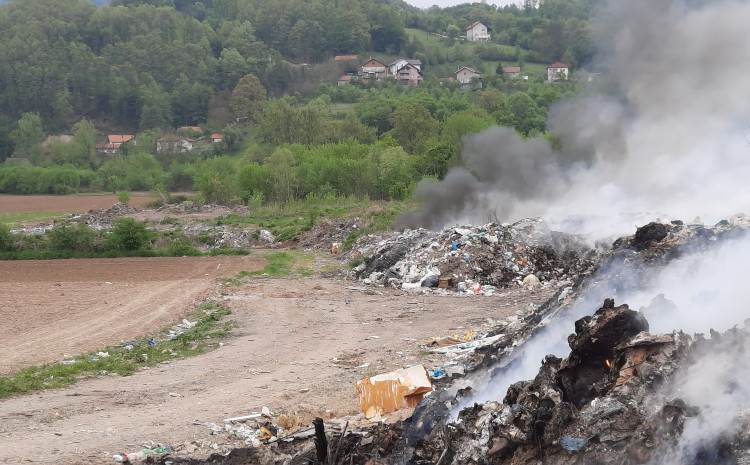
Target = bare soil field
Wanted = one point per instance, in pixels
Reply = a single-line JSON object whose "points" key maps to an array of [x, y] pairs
{"points": [[65, 203], [53, 309], [280, 355], [285, 352]]}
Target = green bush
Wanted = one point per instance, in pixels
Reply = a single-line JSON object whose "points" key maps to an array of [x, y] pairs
{"points": [[124, 197], [79, 238], [181, 246], [6, 238], [130, 235]]}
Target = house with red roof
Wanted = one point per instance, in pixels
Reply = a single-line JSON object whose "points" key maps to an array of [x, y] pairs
{"points": [[375, 70], [215, 138], [557, 71], [512, 71], [477, 32], [112, 146], [172, 143], [118, 139], [193, 128]]}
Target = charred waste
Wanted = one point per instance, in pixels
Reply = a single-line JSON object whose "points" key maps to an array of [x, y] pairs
{"points": [[615, 394]]}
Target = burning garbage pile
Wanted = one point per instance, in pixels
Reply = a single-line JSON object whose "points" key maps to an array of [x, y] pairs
{"points": [[620, 395], [614, 399], [475, 259]]}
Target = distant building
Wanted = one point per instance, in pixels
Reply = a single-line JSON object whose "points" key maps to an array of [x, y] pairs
{"points": [[345, 79], [408, 75], [112, 146], [217, 138], [465, 75], [172, 143], [512, 71], [118, 139], [400, 63], [557, 71], [374, 70], [477, 32], [344, 57]]}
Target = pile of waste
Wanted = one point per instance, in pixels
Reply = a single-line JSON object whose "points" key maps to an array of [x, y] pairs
{"points": [[329, 235], [475, 259], [104, 218], [621, 395]]}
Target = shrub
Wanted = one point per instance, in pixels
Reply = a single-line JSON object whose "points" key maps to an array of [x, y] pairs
{"points": [[130, 235], [6, 238], [124, 197]]}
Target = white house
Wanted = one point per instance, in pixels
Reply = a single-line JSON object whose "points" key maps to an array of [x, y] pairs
{"points": [[174, 144], [477, 32], [465, 75], [557, 71]]}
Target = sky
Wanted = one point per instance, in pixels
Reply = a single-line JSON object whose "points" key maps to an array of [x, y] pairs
{"points": [[445, 3]]}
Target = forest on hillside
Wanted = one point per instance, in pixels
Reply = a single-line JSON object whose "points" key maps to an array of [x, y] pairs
{"points": [[262, 73]]}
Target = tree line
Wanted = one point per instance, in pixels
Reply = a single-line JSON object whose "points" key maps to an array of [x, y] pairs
{"points": [[143, 67]]}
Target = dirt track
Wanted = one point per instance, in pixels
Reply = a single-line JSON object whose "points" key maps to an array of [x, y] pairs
{"points": [[280, 354], [65, 203]]}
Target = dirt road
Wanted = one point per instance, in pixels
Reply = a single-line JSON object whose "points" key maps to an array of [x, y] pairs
{"points": [[280, 354]]}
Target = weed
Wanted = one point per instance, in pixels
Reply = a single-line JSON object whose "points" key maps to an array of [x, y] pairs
{"points": [[202, 337], [355, 262]]}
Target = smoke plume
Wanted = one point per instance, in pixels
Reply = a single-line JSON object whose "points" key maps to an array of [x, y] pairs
{"points": [[668, 138]]}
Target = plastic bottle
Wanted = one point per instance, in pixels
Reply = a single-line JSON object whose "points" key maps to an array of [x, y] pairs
{"points": [[135, 456]]}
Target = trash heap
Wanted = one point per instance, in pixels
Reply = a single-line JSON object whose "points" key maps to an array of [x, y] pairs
{"points": [[604, 403], [614, 399], [475, 260], [328, 235], [104, 218]]}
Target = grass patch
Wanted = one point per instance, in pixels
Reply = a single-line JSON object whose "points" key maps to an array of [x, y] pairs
{"points": [[202, 337], [15, 219], [280, 264], [288, 220]]}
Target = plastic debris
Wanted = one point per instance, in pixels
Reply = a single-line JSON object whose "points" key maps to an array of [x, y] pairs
{"points": [[573, 443]]}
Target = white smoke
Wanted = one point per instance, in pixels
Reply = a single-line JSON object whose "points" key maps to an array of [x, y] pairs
{"points": [[703, 290], [671, 139]]}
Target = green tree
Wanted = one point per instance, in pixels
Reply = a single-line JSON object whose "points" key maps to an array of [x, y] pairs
{"points": [[253, 179], [412, 126], [462, 123], [387, 29], [232, 66], [27, 137], [232, 134], [285, 181], [216, 181], [452, 31], [157, 107], [307, 39], [83, 146], [248, 98]]}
